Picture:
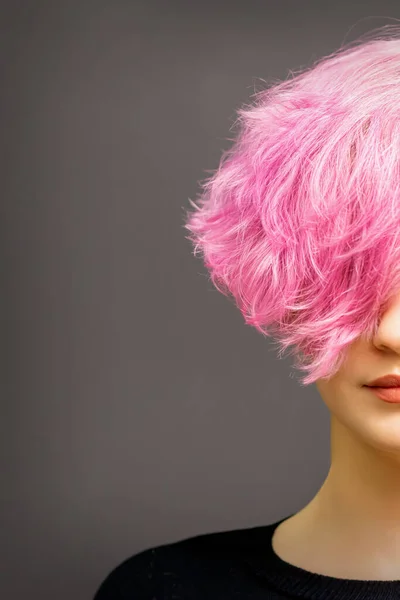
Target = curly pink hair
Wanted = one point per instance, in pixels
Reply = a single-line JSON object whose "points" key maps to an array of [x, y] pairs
{"points": [[300, 222]]}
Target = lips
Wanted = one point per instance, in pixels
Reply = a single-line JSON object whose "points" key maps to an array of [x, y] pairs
{"points": [[391, 394], [387, 381], [387, 388]]}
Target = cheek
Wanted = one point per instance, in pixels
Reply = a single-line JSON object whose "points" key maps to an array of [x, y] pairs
{"points": [[362, 415], [341, 398]]}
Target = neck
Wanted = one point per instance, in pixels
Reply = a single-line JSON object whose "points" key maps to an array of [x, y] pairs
{"points": [[352, 525], [362, 489]]}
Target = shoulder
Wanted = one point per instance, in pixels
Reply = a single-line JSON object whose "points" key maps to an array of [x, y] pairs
{"points": [[178, 568]]}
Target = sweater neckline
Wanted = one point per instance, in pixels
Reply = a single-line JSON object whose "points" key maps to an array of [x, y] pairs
{"points": [[299, 583]]}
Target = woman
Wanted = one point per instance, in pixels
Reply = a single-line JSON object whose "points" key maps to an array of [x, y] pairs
{"points": [[300, 225]]}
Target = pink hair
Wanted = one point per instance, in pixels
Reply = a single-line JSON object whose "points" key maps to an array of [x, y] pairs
{"points": [[300, 222]]}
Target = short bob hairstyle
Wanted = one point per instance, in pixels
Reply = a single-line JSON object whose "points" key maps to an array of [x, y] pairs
{"points": [[300, 223]]}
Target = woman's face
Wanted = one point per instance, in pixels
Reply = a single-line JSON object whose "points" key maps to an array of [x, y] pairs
{"points": [[357, 407]]}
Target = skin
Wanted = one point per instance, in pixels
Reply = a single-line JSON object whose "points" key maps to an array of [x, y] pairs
{"points": [[351, 528]]}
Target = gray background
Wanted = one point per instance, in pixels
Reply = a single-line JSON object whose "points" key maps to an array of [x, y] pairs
{"points": [[137, 406]]}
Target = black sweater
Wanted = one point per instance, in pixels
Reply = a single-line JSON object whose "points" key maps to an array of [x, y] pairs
{"points": [[239, 564]]}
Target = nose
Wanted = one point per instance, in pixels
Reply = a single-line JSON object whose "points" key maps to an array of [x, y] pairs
{"points": [[387, 336]]}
